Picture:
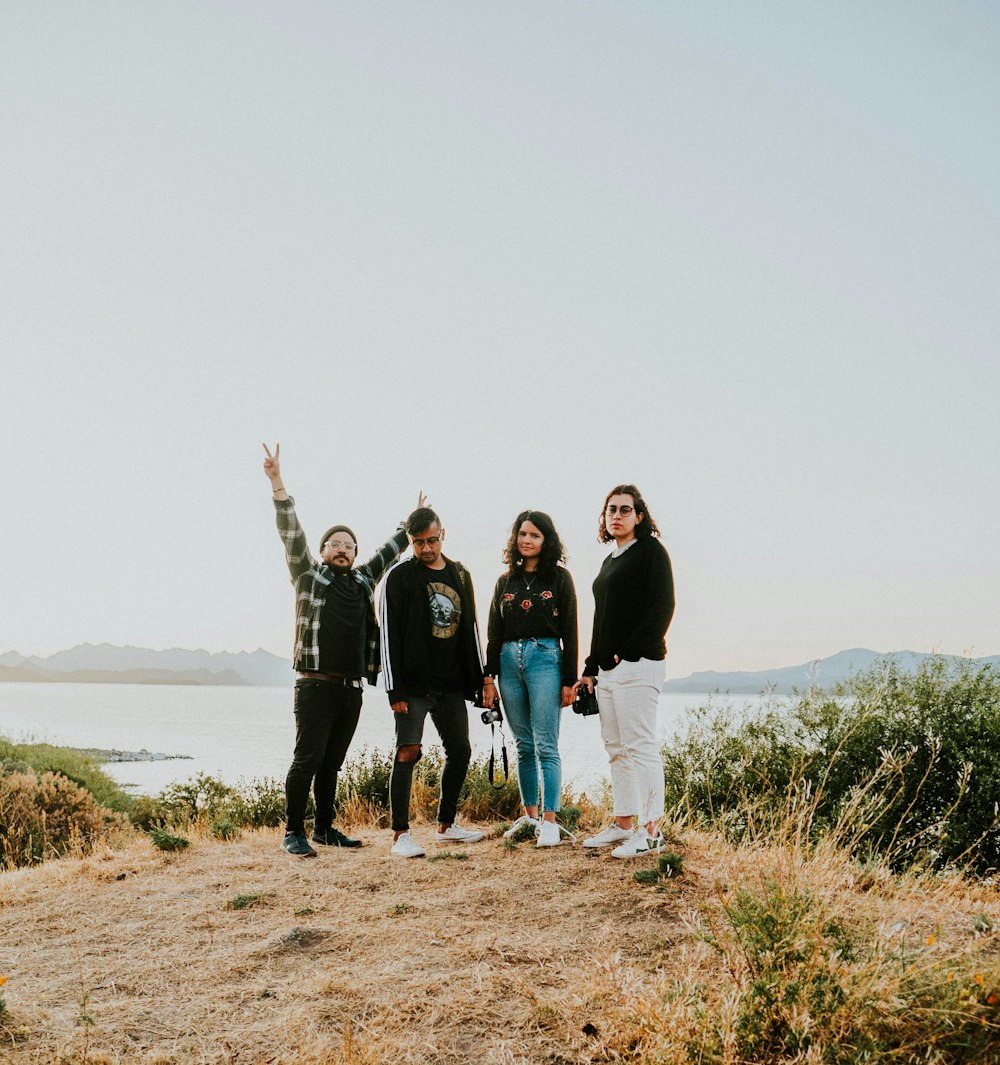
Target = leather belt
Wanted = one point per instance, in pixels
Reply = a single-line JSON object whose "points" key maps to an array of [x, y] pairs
{"points": [[331, 678]]}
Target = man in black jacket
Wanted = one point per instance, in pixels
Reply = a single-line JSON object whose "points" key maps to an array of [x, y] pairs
{"points": [[432, 663]]}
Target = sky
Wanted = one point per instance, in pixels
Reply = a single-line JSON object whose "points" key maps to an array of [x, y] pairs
{"points": [[746, 256]]}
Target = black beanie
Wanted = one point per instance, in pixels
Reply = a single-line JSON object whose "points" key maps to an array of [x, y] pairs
{"points": [[337, 529]]}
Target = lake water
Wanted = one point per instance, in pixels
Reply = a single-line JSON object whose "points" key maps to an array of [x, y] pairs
{"points": [[243, 732]]}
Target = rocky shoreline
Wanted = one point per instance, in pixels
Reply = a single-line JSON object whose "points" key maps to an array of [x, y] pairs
{"points": [[115, 755]]}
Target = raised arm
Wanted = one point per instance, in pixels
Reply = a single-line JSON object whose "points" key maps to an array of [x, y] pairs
{"points": [[390, 551], [296, 549]]}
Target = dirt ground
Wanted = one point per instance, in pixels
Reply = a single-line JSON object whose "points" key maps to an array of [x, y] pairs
{"points": [[356, 956]]}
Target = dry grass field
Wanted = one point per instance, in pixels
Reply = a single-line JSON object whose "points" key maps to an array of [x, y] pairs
{"points": [[234, 952], [137, 955]]}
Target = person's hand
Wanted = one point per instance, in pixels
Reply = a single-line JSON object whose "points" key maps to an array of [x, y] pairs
{"points": [[568, 694], [585, 682], [422, 501], [489, 692], [401, 707], [272, 465]]}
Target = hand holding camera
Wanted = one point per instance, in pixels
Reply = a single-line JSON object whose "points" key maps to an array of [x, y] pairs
{"points": [[585, 703]]}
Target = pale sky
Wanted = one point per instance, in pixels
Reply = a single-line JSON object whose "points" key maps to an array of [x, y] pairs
{"points": [[744, 255]]}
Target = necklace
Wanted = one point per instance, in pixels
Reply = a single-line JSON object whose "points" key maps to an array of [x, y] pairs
{"points": [[527, 583]]}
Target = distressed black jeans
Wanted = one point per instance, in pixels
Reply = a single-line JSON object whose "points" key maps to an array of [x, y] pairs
{"points": [[451, 718]]}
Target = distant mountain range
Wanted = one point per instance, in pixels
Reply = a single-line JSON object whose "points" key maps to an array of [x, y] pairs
{"points": [[821, 673], [107, 664]]}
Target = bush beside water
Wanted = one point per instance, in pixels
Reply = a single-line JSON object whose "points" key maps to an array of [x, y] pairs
{"points": [[901, 767]]}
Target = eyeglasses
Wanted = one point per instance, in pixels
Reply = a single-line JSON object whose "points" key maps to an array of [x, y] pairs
{"points": [[623, 511], [341, 545], [429, 542]]}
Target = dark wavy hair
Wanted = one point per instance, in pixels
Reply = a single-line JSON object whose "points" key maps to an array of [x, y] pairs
{"points": [[552, 552], [646, 527]]}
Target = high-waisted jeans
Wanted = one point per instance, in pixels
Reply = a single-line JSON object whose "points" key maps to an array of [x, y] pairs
{"points": [[531, 689]]}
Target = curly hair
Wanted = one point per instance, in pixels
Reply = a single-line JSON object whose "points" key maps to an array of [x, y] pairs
{"points": [[645, 527], [552, 552]]}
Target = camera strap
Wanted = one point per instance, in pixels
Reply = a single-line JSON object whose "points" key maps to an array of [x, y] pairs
{"points": [[493, 757]]}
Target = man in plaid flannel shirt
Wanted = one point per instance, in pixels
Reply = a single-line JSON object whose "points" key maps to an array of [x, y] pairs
{"points": [[336, 645]]}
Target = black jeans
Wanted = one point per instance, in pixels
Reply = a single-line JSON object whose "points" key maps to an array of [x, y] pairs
{"points": [[451, 719], [326, 716]]}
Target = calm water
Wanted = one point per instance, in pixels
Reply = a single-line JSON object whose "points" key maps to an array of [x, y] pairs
{"points": [[243, 732]]}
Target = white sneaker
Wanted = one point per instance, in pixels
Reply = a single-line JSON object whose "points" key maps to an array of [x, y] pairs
{"points": [[609, 835], [640, 842], [516, 827], [407, 847], [457, 834], [549, 834]]}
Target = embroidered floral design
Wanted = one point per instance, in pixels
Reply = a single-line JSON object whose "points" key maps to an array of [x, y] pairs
{"points": [[546, 594], [525, 604], [508, 597]]}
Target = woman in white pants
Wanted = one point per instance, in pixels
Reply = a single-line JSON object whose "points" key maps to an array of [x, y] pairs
{"points": [[633, 605]]}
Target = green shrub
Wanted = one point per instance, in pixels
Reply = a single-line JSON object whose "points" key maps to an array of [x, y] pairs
{"points": [[253, 804], [261, 804], [906, 767], [365, 778], [225, 830], [68, 762], [670, 864], [479, 799], [43, 816], [167, 841]]}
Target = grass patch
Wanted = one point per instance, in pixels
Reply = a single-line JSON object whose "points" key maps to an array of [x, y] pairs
{"points": [[248, 900], [167, 841], [444, 856]]}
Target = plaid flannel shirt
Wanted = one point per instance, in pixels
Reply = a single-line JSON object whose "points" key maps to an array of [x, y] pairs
{"points": [[311, 579]]}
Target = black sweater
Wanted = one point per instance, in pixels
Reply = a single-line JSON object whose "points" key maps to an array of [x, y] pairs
{"points": [[633, 605], [550, 611]]}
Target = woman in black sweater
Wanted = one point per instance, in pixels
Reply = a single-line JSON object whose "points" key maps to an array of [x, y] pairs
{"points": [[633, 605], [532, 647]]}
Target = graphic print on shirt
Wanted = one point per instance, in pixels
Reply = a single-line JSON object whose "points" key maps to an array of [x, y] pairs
{"points": [[446, 609]]}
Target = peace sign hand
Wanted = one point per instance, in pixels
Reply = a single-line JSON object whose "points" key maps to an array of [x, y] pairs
{"points": [[272, 464]]}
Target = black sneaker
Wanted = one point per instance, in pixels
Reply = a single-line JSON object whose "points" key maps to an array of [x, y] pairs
{"points": [[332, 838], [297, 844]]}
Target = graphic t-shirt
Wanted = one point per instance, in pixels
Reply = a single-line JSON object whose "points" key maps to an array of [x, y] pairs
{"points": [[445, 672]]}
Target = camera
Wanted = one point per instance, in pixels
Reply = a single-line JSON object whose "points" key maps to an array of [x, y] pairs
{"points": [[585, 703], [491, 714]]}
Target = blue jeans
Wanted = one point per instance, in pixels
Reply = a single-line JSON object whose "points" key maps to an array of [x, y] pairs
{"points": [[531, 689]]}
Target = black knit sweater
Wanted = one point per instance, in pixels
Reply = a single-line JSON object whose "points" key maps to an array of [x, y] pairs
{"points": [[633, 605]]}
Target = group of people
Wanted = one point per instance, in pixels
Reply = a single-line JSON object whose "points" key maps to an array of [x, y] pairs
{"points": [[426, 643]]}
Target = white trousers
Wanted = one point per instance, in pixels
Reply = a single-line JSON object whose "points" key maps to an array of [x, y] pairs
{"points": [[628, 697]]}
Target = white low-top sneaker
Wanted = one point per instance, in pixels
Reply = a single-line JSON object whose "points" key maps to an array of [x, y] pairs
{"points": [[606, 837], [516, 827], [549, 834], [407, 847], [639, 843], [457, 834]]}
